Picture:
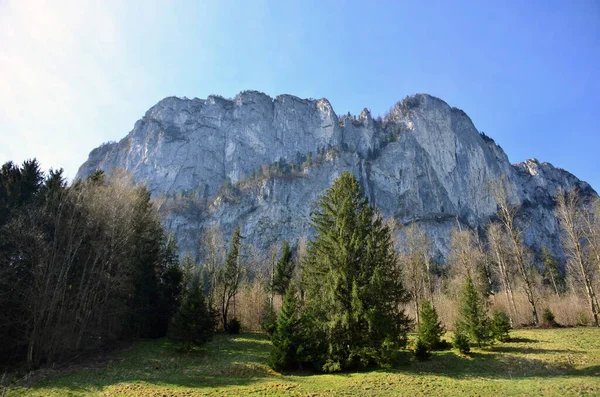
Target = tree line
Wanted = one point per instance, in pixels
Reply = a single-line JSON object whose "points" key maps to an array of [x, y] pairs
{"points": [[80, 265]]}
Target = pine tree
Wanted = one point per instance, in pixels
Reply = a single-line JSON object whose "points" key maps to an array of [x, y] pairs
{"points": [[473, 320], [352, 281], [430, 329], [284, 270]]}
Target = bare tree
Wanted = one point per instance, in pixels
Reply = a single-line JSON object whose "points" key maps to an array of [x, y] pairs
{"points": [[467, 259], [415, 260], [507, 215], [500, 255], [576, 244], [212, 247]]}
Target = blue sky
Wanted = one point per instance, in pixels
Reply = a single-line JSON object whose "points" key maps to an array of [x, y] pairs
{"points": [[76, 74]]}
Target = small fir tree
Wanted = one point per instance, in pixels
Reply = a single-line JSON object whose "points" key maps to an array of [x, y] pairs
{"points": [[194, 323], [430, 329], [284, 270], [501, 326], [473, 320], [287, 336], [461, 340]]}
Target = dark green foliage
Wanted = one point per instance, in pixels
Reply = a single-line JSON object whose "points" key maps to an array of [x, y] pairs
{"points": [[430, 329], [194, 323], [234, 326], [548, 319], [269, 320], [422, 350], [79, 265], [287, 338], [461, 341], [352, 283], [501, 326], [472, 317], [284, 269]]}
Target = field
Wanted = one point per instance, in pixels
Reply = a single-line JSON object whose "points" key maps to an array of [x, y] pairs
{"points": [[536, 362]]}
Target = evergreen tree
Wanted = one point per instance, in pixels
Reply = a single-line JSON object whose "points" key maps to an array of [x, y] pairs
{"points": [[500, 326], [284, 270], [287, 336], [430, 329], [473, 320], [352, 282], [194, 323]]}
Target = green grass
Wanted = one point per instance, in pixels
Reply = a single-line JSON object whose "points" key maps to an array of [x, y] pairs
{"points": [[537, 362]]}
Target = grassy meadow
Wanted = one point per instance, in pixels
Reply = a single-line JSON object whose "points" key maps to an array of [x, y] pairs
{"points": [[536, 362]]}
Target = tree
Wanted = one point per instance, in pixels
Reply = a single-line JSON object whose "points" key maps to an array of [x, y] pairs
{"points": [[552, 271], [472, 318], [467, 259], [569, 212], [194, 323], [500, 255], [415, 262], [287, 338], [229, 276], [284, 270], [430, 330], [352, 282], [507, 215]]}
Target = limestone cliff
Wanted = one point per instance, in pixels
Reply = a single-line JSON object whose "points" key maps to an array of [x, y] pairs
{"points": [[206, 161]]}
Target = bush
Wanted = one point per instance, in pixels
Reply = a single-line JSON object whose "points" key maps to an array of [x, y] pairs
{"points": [[461, 341], [501, 326], [234, 326], [422, 350], [548, 319], [430, 330]]}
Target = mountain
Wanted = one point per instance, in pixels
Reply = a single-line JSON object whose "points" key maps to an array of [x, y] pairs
{"points": [[261, 163]]}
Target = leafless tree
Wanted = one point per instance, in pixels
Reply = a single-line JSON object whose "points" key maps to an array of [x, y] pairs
{"points": [[576, 243]]}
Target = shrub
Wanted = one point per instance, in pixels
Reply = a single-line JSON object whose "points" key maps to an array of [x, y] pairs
{"points": [[500, 326], [234, 326], [430, 330], [461, 341], [548, 319]]}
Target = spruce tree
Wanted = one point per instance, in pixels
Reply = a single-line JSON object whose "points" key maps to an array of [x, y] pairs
{"points": [[473, 320], [287, 336], [194, 323], [352, 282], [284, 270], [430, 329]]}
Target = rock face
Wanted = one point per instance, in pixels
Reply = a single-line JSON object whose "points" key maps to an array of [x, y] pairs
{"points": [[425, 162]]}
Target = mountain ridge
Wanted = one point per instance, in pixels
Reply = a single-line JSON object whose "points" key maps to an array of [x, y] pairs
{"points": [[424, 160]]}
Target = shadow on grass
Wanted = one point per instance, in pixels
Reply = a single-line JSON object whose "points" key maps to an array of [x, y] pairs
{"points": [[242, 361]]}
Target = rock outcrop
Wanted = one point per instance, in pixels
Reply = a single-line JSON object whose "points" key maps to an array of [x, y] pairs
{"points": [[207, 161]]}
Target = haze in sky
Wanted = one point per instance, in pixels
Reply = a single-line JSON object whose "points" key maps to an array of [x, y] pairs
{"points": [[77, 74]]}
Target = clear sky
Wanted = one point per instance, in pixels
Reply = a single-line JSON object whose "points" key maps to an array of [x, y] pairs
{"points": [[76, 74]]}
